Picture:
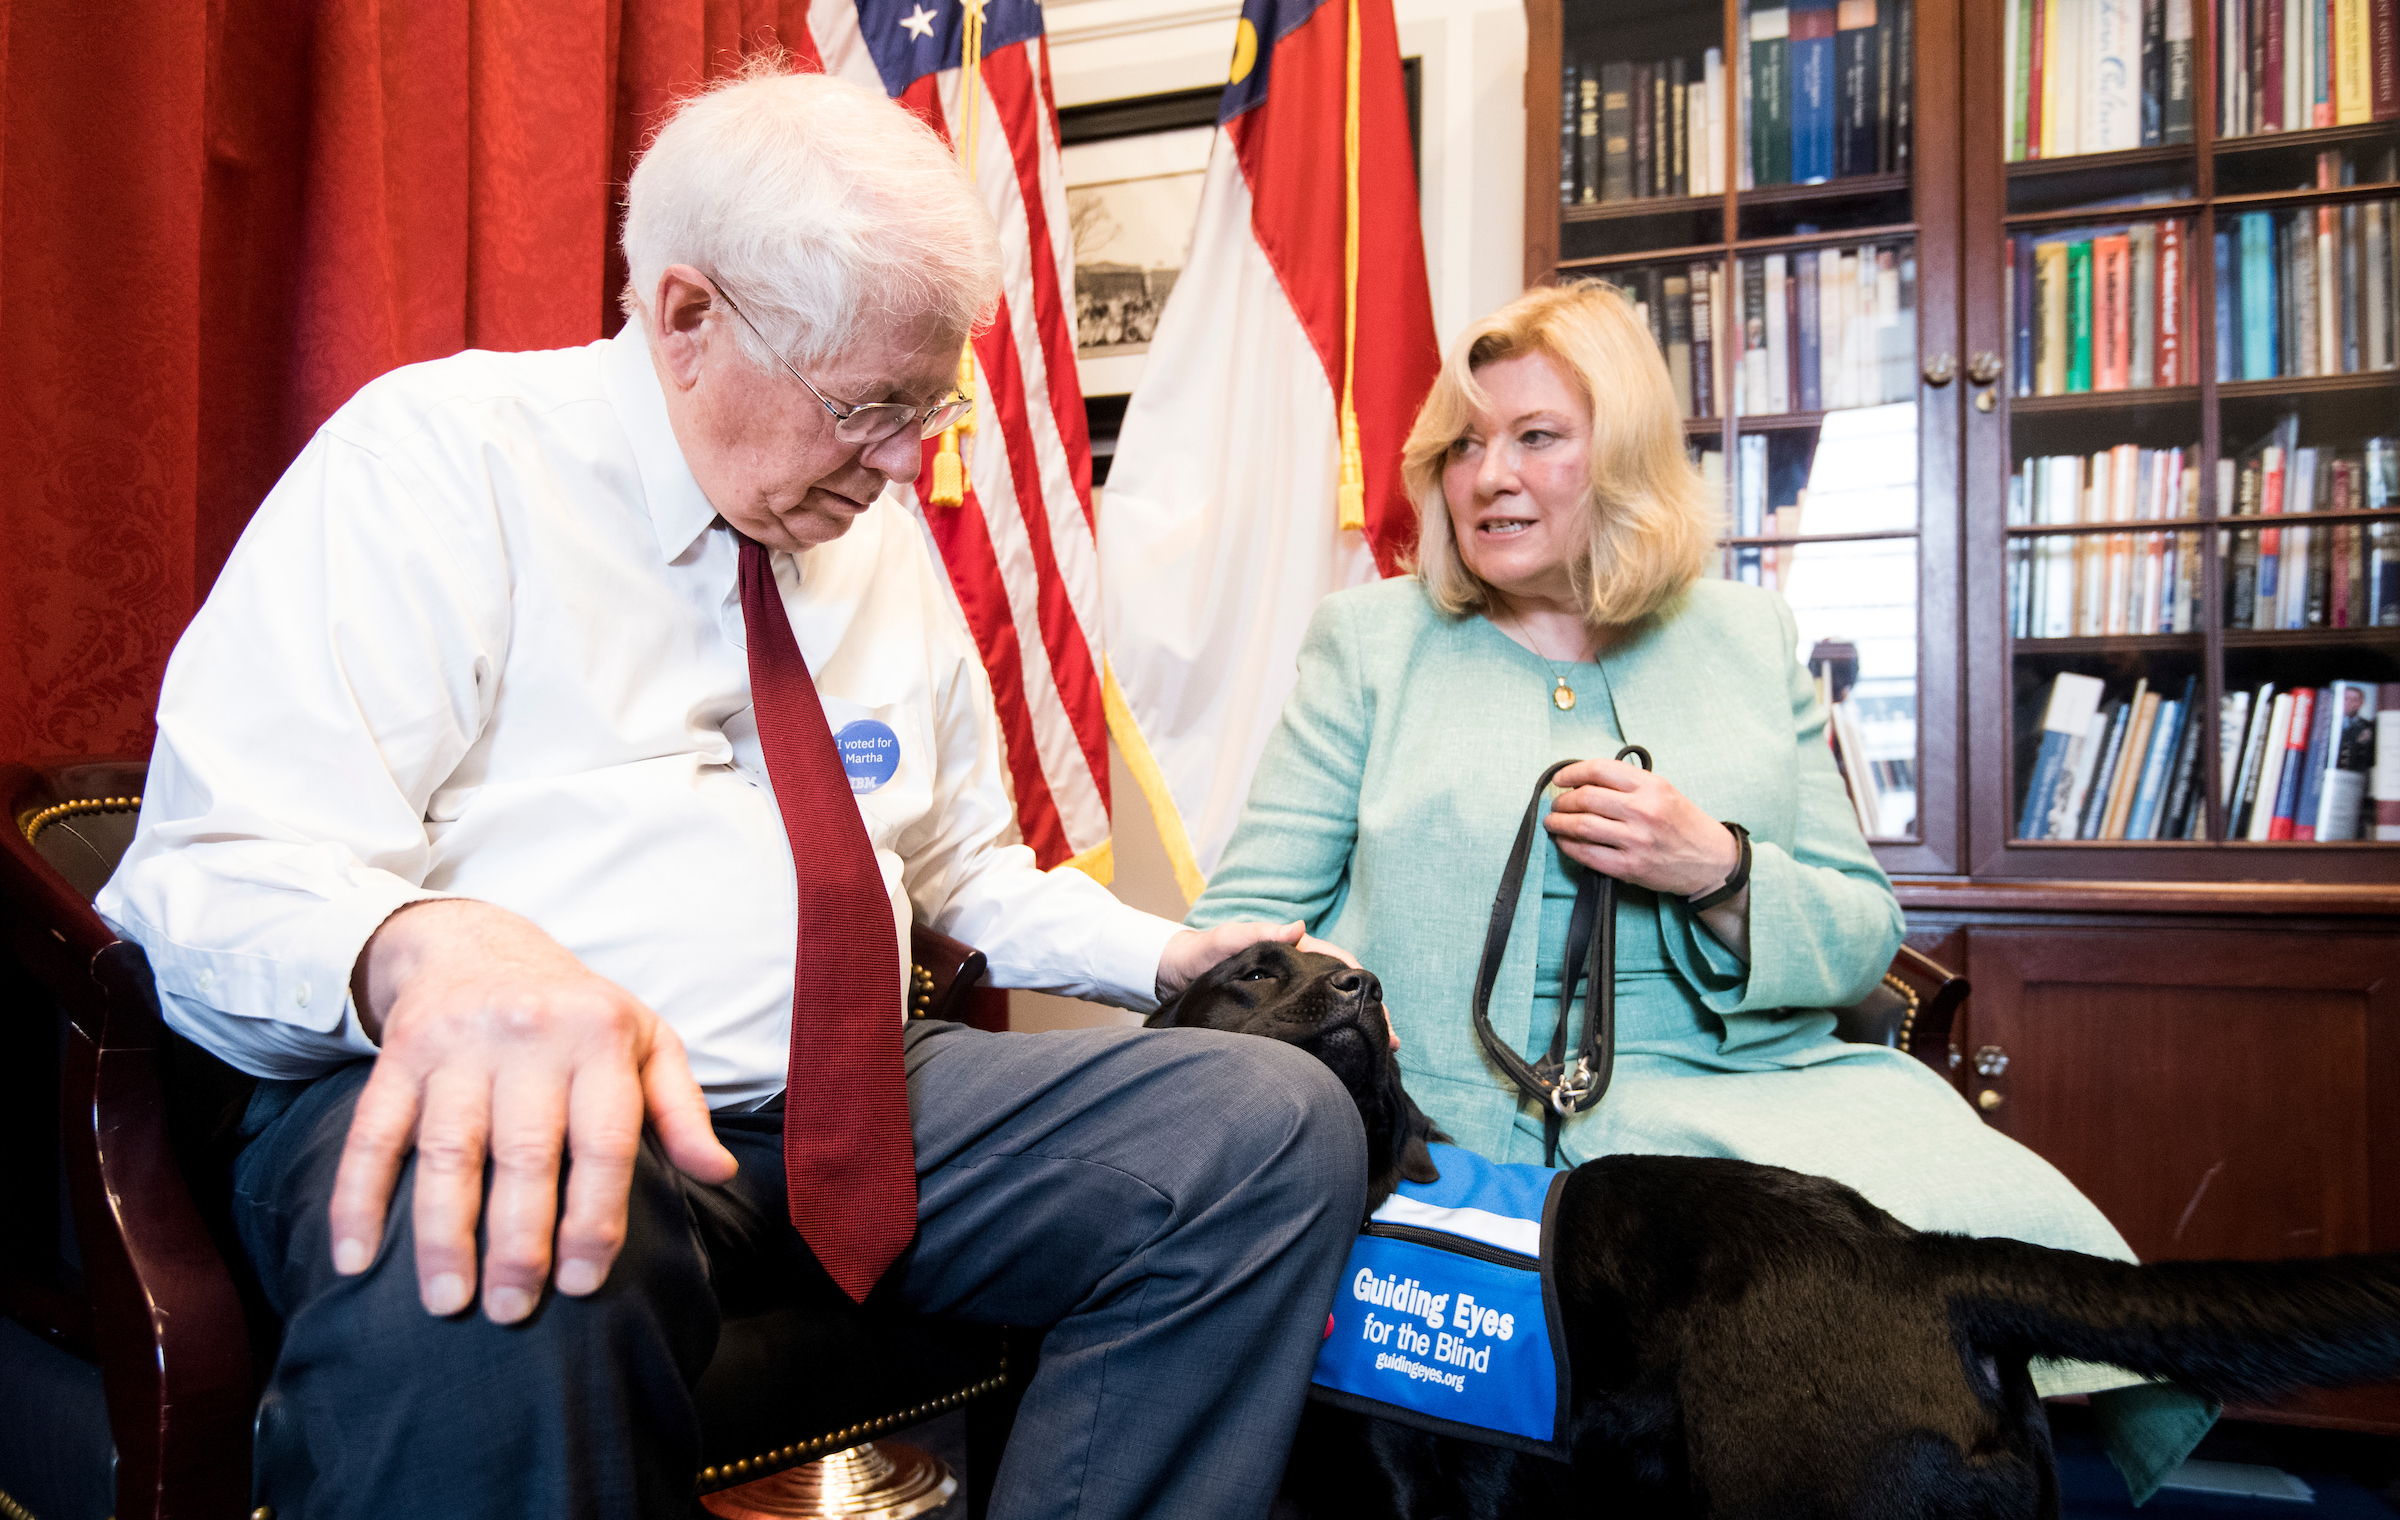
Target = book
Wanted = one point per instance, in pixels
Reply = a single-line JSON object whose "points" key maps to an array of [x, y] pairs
{"points": [[2168, 290], [1857, 83], [1704, 348], [2112, 314], [1812, 86], [2263, 779], [1661, 172], [2253, 754], [2079, 317], [1615, 166], [2017, 36], [1886, 110], [2257, 296], [2127, 778], [1570, 152], [1808, 341], [2228, 330], [1770, 99], [2085, 756], [2141, 354], [2351, 760], [2383, 60], [2233, 714], [2353, 97], [2383, 775], [2094, 814], [2176, 121], [1904, 73], [1642, 144], [2073, 701], [2312, 768], [2051, 300], [2285, 774], [1679, 127], [2183, 776], [1713, 103], [1678, 347], [2115, 98], [2154, 71], [1781, 368], [2150, 793]]}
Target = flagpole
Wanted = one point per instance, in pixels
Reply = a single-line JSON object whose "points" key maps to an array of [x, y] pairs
{"points": [[949, 461], [1352, 495]]}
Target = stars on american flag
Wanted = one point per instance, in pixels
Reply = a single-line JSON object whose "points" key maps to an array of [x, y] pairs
{"points": [[918, 23]]}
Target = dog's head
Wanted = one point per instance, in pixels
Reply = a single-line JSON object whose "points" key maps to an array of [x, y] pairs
{"points": [[1335, 1013]]}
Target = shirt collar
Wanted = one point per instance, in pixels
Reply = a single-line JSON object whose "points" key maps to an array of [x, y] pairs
{"points": [[679, 511]]}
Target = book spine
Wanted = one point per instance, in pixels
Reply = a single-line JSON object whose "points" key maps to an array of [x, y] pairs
{"points": [[2021, 314], [1887, 37], [2271, 61], [2176, 123], [1810, 337], [2353, 94], [2294, 764], [1704, 344], [1679, 127], [2310, 802], [2183, 783], [2116, 77], [1854, 87], [1756, 396], [1616, 132], [2154, 70], [1781, 340], [1570, 152], [2079, 317], [2258, 296], [2167, 292], [1591, 138], [1713, 108], [2141, 307], [1904, 72], [2094, 813], [2050, 319], [2383, 60], [1662, 173], [1771, 95], [1642, 147], [2228, 313], [1812, 70], [2166, 734], [2037, 21], [2112, 326], [2260, 775], [1678, 303], [2376, 305]]}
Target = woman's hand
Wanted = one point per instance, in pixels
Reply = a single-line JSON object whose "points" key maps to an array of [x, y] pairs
{"points": [[1632, 824]]}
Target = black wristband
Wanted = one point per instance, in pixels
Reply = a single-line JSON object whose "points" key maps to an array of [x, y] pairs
{"points": [[1736, 882]]}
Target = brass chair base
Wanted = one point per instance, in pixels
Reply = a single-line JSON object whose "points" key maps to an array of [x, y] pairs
{"points": [[876, 1480]]}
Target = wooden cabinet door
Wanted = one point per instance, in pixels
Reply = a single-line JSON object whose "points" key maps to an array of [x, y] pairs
{"points": [[2228, 1093]]}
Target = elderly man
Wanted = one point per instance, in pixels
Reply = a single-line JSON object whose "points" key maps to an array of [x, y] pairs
{"points": [[548, 703]]}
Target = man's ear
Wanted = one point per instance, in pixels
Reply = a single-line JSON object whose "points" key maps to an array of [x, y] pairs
{"points": [[677, 319]]}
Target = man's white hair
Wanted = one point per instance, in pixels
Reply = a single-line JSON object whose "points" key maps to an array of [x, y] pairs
{"points": [[822, 208]]}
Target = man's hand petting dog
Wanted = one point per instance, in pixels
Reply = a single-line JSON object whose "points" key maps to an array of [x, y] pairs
{"points": [[1751, 1342]]}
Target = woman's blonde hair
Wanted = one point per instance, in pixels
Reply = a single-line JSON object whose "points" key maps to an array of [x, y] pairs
{"points": [[1652, 523]]}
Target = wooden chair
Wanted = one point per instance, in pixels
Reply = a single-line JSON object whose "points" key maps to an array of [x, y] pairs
{"points": [[1912, 1010], [141, 1275]]}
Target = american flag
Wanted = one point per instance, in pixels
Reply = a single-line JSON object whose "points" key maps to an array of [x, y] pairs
{"points": [[1020, 551]]}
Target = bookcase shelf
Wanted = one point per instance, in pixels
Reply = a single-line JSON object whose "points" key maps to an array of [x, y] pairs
{"points": [[2145, 990]]}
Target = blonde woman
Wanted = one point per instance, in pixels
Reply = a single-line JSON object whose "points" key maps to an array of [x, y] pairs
{"points": [[1558, 610]]}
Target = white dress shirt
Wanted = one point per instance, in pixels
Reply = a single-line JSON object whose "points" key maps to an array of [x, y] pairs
{"points": [[484, 640]]}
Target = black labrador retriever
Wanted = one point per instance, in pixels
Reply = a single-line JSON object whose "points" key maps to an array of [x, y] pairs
{"points": [[1748, 1342]]}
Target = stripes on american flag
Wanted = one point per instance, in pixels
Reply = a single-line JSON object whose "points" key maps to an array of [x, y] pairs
{"points": [[1021, 551]]}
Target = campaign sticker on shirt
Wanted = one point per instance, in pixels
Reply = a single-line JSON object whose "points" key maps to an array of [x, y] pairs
{"points": [[870, 753]]}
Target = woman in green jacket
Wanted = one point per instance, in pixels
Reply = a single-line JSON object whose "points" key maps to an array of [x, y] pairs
{"points": [[1558, 611]]}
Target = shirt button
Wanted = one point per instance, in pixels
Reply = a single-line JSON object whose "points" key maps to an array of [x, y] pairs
{"points": [[207, 980], [300, 994]]}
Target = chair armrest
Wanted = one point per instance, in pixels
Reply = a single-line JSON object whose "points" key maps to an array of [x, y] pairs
{"points": [[942, 973], [1941, 992]]}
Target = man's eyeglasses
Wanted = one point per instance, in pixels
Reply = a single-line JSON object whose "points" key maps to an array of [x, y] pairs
{"points": [[870, 422]]}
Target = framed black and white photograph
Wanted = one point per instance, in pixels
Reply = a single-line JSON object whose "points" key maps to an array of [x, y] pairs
{"points": [[1134, 169]]}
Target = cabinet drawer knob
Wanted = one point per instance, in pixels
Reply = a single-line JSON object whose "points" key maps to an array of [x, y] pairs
{"points": [[1984, 368], [1988, 1099], [1990, 1061], [1941, 370]]}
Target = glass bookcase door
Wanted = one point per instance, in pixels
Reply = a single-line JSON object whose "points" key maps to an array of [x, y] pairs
{"points": [[1754, 176], [2183, 535]]}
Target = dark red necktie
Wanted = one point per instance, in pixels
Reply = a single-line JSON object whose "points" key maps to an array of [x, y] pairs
{"points": [[850, 1170]]}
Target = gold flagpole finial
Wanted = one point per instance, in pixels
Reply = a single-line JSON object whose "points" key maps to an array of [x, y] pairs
{"points": [[950, 460]]}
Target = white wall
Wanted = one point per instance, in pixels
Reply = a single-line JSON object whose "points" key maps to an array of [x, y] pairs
{"points": [[1473, 195]]}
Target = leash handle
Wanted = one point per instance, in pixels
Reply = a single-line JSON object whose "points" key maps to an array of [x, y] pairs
{"points": [[1561, 1087]]}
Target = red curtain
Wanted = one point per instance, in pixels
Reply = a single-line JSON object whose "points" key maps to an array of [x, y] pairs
{"points": [[219, 219]]}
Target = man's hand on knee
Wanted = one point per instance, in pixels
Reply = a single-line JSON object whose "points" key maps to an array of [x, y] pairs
{"points": [[496, 1041]]}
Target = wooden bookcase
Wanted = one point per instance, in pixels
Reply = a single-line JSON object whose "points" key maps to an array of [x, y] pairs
{"points": [[2204, 1035]]}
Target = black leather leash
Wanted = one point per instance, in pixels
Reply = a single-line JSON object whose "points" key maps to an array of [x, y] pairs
{"points": [[1559, 1087]]}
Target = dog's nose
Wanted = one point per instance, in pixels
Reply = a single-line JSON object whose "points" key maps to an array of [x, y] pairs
{"points": [[1358, 984]]}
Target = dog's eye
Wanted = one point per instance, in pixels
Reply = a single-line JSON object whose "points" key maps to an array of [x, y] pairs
{"points": [[1256, 974]]}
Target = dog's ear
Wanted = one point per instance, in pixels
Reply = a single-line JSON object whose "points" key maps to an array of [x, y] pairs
{"points": [[1416, 1162], [1164, 1016]]}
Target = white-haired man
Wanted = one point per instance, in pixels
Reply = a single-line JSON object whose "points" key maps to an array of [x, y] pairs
{"points": [[548, 701]]}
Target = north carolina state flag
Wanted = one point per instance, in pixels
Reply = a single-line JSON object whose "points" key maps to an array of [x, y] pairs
{"points": [[1219, 527]]}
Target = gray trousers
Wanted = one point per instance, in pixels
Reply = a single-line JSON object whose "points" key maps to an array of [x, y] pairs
{"points": [[1172, 1206]]}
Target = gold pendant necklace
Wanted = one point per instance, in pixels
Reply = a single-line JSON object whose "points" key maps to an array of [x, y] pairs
{"points": [[1562, 696]]}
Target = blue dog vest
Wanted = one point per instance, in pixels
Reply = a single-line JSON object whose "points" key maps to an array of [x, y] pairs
{"points": [[1446, 1317]]}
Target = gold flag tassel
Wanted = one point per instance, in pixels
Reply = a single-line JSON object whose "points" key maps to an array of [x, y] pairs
{"points": [[1353, 494], [950, 460]]}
